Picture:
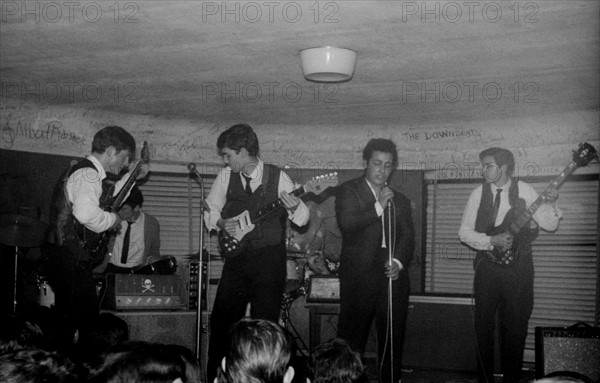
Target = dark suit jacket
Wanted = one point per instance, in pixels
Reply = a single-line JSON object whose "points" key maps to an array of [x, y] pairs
{"points": [[362, 230]]}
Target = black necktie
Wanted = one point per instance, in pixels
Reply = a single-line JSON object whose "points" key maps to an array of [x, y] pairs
{"points": [[125, 250], [496, 206], [248, 188]]}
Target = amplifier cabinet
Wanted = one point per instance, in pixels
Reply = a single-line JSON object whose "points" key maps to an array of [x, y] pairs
{"points": [[143, 292], [176, 327], [571, 349]]}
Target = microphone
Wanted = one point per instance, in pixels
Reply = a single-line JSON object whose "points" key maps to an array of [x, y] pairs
{"points": [[192, 169], [389, 202]]}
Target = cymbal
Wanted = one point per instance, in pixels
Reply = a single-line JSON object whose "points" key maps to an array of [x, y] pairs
{"points": [[21, 231]]}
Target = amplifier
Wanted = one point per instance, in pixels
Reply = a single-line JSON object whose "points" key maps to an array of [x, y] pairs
{"points": [[143, 292], [568, 349], [323, 289], [189, 276]]}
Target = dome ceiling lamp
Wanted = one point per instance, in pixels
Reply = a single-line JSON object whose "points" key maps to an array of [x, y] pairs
{"points": [[328, 64]]}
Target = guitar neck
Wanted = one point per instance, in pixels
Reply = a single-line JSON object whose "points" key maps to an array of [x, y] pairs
{"points": [[526, 216], [145, 155], [126, 187], [273, 206]]}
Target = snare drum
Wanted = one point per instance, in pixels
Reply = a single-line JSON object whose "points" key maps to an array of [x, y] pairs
{"points": [[163, 266], [46, 294]]}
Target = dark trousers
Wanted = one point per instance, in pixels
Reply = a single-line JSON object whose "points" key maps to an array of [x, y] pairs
{"points": [[256, 277], [365, 298], [507, 292], [71, 277]]}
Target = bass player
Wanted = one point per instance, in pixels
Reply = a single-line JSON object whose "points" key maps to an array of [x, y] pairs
{"points": [[499, 286], [77, 219]]}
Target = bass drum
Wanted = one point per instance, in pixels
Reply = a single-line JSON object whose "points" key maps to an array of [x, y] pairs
{"points": [[296, 320], [165, 265]]}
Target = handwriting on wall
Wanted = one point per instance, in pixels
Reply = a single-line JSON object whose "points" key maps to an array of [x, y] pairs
{"points": [[539, 142]]}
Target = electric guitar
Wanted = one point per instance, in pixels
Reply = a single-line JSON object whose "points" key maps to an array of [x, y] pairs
{"points": [[232, 245], [520, 215], [96, 244]]}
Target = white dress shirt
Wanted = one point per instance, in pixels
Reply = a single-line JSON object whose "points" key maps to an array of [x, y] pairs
{"points": [[135, 256], [379, 209], [84, 188]]}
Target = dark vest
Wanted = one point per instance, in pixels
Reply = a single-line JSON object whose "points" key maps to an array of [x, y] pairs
{"points": [[62, 224], [270, 230], [484, 223]]}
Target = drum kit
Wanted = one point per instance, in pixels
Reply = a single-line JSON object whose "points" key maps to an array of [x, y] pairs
{"points": [[165, 265], [294, 315], [20, 231]]}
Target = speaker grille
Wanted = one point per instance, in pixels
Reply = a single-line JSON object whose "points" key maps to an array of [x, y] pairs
{"points": [[162, 327], [563, 349]]}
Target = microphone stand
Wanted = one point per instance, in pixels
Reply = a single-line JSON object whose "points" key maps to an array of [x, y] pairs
{"points": [[192, 169], [390, 300]]}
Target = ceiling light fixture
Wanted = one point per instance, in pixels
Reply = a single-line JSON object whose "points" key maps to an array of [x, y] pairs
{"points": [[328, 64]]}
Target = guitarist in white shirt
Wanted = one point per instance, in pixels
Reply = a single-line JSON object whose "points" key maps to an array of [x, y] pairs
{"points": [[76, 208], [501, 287], [256, 274]]}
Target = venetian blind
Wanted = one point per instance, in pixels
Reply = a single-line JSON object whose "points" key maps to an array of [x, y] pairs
{"points": [[566, 269], [174, 199]]}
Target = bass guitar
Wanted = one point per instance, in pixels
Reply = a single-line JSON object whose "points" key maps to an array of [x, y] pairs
{"points": [[520, 215], [96, 244], [232, 245]]}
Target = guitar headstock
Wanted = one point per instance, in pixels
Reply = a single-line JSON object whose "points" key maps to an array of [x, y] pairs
{"points": [[584, 154], [145, 153], [320, 183]]}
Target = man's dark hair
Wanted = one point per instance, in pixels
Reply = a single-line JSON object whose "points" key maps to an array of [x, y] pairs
{"points": [[237, 137], [259, 352], [140, 362], [501, 156], [334, 361], [37, 366], [135, 198], [381, 145], [113, 136]]}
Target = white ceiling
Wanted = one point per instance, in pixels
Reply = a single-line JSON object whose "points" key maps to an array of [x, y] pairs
{"points": [[193, 60]]}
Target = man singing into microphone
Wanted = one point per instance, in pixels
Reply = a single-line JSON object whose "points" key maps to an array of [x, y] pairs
{"points": [[362, 206]]}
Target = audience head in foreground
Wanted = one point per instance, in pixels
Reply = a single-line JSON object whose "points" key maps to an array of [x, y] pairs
{"points": [[38, 366], [142, 362], [259, 352], [335, 362]]}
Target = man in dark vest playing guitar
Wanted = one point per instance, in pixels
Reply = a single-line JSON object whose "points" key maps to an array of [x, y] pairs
{"points": [[503, 265], [256, 273], [80, 224]]}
